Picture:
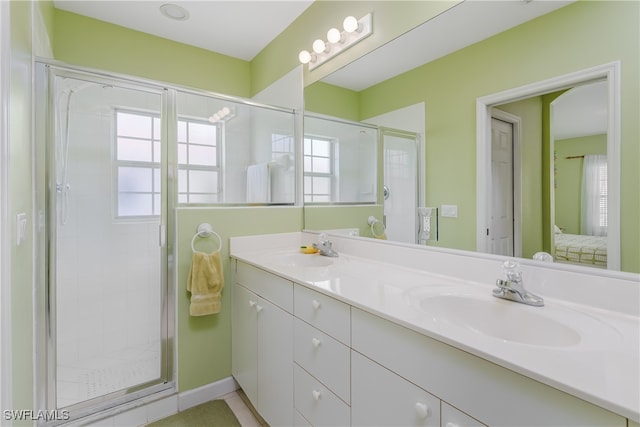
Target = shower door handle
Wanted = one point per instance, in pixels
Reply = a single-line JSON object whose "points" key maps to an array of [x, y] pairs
{"points": [[162, 235]]}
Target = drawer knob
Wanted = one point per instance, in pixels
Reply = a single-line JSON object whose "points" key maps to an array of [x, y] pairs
{"points": [[316, 394], [259, 308], [252, 303], [316, 304], [422, 410], [316, 342]]}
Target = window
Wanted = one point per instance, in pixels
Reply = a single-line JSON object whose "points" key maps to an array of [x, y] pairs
{"points": [[137, 163], [318, 169], [602, 182], [198, 162], [281, 146], [594, 197]]}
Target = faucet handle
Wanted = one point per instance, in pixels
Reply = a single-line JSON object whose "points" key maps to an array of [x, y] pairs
{"points": [[511, 270], [323, 238]]}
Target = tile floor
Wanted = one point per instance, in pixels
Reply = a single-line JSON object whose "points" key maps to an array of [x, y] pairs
{"points": [[243, 410]]}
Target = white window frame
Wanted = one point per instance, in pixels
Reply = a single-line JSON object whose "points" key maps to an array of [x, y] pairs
{"points": [[191, 167], [155, 141], [117, 164], [309, 194]]}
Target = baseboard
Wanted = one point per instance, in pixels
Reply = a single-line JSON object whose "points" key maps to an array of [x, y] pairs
{"points": [[205, 393]]}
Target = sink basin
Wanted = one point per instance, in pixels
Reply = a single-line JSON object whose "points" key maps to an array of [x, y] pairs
{"points": [[504, 320], [302, 260]]}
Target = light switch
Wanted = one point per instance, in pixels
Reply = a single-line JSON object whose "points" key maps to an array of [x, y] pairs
{"points": [[21, 228], [450, 211]]}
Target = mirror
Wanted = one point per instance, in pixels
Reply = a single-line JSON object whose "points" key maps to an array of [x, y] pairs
{"points": [[451, 84], [340, 161], [537, 136]]}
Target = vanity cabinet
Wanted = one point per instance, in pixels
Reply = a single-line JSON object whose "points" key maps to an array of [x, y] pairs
{"points": [[487, 392], [304, 358], [262, 342]]}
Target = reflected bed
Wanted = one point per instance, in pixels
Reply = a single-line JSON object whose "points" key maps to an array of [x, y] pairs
{"points": [[580, 249]]}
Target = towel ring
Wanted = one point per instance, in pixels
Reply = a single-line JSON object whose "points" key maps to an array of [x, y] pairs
{"points": [[377, 227], [205, 230]]}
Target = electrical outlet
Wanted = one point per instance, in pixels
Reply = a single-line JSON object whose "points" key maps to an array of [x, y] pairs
{"points": [[450, 211]]}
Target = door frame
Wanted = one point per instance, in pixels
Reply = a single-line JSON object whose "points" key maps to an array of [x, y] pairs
{"points": [[516, 123], [610, 72]]}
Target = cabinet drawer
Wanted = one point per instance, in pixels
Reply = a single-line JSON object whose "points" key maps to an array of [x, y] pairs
{"points": [[451, 417], [269, 286], [323, 357], [492, 394], [316, 403], [382, 398], [325, 313]]}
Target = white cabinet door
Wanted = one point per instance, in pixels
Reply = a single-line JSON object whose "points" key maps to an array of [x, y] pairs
{"points": [[244, 342], [262, 355], [275, 364], [382, 398]]}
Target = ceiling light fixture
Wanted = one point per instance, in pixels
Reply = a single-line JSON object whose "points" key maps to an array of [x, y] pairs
{"points": [[173, 11], [354, 30]]}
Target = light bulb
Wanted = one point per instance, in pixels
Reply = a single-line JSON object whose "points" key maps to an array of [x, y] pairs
{"points": [[350, 24], [304, 56], [225, 111], [333, 35], [319, 46]]}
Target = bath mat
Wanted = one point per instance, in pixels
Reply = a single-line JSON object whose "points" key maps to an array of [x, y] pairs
{"points": [[215, 413]]}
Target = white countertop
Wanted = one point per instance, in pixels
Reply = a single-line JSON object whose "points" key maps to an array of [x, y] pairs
{"points": [[601, 364]]}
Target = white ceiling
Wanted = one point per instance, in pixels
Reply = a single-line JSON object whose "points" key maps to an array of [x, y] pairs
{"points": [[237, 28], [581, 111]]}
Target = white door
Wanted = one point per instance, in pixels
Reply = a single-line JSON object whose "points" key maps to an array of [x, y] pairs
{"points": [[501, 229]]}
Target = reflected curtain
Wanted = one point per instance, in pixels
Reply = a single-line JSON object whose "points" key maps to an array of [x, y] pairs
{"points": [[594, 195]]}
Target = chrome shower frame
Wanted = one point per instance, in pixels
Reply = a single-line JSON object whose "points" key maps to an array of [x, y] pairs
{"points": [[45, 264]]}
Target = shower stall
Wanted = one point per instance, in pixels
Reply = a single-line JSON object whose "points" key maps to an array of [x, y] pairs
{"points": [[102, 193], [115, 156]]}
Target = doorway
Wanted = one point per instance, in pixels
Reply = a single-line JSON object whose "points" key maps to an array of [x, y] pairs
{"points": [[609, 73]]}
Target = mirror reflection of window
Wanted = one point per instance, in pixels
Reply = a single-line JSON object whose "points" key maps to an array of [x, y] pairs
{"points": [[319, 161], [594, 195]]}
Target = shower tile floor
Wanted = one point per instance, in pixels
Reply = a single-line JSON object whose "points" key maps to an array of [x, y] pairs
{"points": [[107, 373]]}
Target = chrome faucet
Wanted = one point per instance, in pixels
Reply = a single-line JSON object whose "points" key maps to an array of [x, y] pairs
{"points": [[324, 246], [512, 288]]}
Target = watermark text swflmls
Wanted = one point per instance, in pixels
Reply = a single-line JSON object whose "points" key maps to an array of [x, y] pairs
{"points": [[32, 415]]}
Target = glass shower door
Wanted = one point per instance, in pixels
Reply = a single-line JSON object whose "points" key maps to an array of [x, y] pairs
{"points": [[400, 185], [107, 255]]}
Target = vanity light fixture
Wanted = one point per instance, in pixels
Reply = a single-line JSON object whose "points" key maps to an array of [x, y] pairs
{"points": [[353, 31], [223, 114], [173, 11]]}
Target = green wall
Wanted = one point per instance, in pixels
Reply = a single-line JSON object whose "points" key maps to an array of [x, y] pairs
{"points": [[204, 343], [568, 177], [91, 43], [579, 36], [19, 201]]}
